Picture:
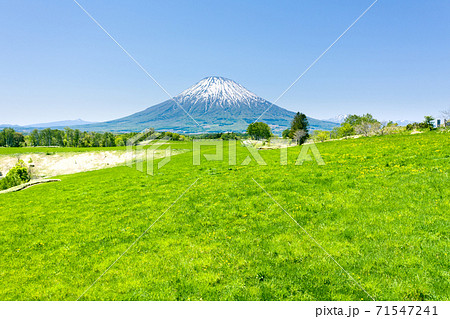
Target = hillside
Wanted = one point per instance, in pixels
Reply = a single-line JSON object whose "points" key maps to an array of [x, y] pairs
{"points": [[379, 207]]}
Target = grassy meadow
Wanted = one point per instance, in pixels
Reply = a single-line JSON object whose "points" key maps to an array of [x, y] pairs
{"points": [[58, 150], [379, 207], [55, 150]]}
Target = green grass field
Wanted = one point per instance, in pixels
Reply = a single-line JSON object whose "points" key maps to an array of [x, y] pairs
{"points": [[56, 150], [379, 207]]}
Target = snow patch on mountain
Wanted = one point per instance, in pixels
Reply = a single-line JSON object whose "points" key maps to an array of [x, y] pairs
{"points": [[218, 91], [403, 122], [338, 118]]}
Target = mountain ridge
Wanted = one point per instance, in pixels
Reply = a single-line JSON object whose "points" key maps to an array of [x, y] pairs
{"points": [[60, 123], [52, 125]]}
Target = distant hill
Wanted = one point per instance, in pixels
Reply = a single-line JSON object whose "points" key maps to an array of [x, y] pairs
{"points": [[338, 118], [216, 103], [59, 124], [9, 125], [341, 118], [52, 125]]}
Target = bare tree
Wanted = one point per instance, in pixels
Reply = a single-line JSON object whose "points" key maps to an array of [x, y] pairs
{"points": [[446, 114], [299, 135], [367, 128], [363, 128], [375, 127]]}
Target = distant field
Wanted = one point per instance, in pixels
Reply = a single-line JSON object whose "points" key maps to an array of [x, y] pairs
{"points": [[380, 207], [53, 150]]}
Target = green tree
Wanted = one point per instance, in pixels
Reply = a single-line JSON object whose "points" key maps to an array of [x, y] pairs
{"points": [[69, 137], [259, 130], [59, 137], [357, 124], [76, 138], [428, 121], [86, 139], [2, 139], [8, 135], [346, 129], [46, 137], [228, 136], [17, 175], [34, 138], [120, 141], [285, 133], [108, 140], [18, 139], [335, 132], [299, 124], [354, 119]]}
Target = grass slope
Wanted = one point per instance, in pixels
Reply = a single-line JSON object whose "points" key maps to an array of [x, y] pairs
{"points": [[53, 150], [379, 206]]}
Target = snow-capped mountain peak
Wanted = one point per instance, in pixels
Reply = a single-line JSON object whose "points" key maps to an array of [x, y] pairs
{"points": [[216, 103], [218, 91], [340, 118]]}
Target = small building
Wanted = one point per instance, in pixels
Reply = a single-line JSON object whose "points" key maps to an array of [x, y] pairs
{"points": [[442, 123]]}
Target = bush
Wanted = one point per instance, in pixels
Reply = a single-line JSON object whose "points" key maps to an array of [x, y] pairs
{"points": [[17, 175], [320, 136], [418, 126], [259, 130], [173, 136], [229, 136], [285, 133]]}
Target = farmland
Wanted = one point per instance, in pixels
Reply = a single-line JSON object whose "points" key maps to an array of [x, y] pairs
{"points": [[379, 207]]}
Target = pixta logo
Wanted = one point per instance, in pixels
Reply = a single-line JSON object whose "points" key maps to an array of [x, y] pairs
{"points": [[253, 152], [146, 147]]}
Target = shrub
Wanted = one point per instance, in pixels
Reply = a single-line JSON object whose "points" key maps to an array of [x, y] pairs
{"points": [[320, 136], [286, 133], [259, 130], [17, 175], [418, 126]]}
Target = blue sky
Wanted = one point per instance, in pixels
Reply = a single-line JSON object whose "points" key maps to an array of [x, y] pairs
{"points": [[56, 64]]}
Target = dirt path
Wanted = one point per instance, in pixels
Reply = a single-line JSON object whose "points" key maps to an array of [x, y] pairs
{"points": [[43, 166]]}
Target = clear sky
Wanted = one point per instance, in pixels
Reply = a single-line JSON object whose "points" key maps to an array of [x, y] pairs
{"points": [[56, 64]]}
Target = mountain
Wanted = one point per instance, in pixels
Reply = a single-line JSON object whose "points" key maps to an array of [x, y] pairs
{"points": [[9, 125], [59, 124], [217, 104], [52, 125], [338, 118], [403, 122]]}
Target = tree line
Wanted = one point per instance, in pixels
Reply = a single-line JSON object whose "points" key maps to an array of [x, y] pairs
{"points": [[367, 125], [9, 137], [76, 138], [354, 124]]}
